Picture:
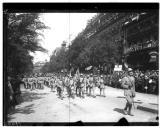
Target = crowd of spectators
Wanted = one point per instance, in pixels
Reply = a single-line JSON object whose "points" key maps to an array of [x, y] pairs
{"points": [[146, 82]]}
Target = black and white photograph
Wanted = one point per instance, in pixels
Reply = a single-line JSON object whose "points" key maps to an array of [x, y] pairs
{"points": [[80, 64]]}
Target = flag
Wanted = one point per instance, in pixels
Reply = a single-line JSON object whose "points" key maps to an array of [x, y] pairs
{"points": [[126, 65], [77, 73], [88, 68], [70, 74]]}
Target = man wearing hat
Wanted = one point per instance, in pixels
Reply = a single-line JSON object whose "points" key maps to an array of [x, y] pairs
{"points": [[128, 84]]}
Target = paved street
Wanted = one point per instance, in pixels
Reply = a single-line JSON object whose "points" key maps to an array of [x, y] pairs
{"points": [[44, 106]]}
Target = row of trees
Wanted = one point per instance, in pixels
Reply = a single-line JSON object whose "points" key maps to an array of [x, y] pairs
{"points": [[21, 38], [93, 47]]}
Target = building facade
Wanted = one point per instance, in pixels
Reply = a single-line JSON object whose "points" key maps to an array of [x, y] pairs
{"points": [[141, 42], [38, 66]]}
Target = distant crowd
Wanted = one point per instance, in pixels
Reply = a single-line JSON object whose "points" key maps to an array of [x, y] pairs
{"points": [[146, 82]]}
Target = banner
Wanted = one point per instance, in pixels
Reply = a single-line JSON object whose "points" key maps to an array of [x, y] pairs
{"points": [[118, 68], [88, 68], [77, 73], [153, 56]]}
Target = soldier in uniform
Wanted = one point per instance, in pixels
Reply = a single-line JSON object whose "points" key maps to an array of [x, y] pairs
{"points": [[68, 85], [128, 83], [71, 84], [81, 87], [90, 84], [87, 85], [102, 86], [78, 84], [54, 83], [94, 86], [59, 88]]}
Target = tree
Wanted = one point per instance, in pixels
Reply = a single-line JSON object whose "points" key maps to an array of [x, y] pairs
{"points": [[58, 61], [23, 30]]}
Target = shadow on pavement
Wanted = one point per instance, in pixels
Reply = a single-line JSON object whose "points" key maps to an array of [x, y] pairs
{"points": [[30, 96], [119, 110], [153, 103], [24, 110], [138, 102], [9, 118], [120, 97], [26, 97]]}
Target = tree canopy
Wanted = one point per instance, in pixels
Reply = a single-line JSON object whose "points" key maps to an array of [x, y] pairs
{"points": [[22, 38]]}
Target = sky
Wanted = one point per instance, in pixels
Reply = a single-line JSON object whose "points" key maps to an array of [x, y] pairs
{"points": [[63, 27]]}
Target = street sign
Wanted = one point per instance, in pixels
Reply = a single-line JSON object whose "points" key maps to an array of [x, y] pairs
{"points": [[118, 68]]}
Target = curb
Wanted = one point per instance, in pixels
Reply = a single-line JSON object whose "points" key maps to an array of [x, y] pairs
{"points": [[144, 108]]}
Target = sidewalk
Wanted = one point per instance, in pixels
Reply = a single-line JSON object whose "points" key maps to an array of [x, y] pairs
{"points": [[142, 101]]}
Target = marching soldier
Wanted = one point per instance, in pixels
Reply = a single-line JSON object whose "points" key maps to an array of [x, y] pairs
{"points": [[90, 84], [94, 86], [77, 86], [59, 88], [71, 84], [102, 86], [54, 83], [74, 85], [67, 84], [81, 87], [87, 85], [51, 82], [128, 83], [98, 83]]}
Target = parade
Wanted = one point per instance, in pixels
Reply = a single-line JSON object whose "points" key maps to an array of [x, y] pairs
{"points": [[81, 86], [77, 67]]}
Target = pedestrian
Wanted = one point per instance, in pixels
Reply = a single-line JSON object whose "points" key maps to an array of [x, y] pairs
{"points": [[128, 84]]}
